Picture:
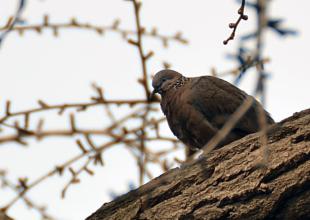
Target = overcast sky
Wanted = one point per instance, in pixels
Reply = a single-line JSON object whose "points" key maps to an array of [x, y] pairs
{"points": [[60, 70]]}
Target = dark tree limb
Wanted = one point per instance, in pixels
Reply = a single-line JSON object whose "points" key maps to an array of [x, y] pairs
{"points": [[229, 184]]}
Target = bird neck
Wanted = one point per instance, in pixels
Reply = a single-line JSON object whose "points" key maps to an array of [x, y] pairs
{"points": [[180, 82], [175, 85], [173, 93]]}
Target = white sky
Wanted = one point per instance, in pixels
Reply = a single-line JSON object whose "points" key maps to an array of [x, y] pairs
{"points": [[60, 70]]}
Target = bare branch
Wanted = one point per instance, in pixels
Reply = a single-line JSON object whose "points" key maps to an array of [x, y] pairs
{"points": [[234, 26]]}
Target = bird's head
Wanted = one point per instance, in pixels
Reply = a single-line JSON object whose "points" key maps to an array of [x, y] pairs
{"points": [[163, 80]]}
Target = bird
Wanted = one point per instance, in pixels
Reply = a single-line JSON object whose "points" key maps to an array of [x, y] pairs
{"points": [[196, 108]]}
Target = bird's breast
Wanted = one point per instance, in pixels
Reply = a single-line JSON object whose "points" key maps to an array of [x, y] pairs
{"points": [[185, 122], [175, 108], [171, 103]]}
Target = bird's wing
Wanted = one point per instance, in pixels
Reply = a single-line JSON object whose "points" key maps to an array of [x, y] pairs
{"points": [[217, 99]]}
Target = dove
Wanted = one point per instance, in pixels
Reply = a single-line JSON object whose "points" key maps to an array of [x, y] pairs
{"points": [[196, 108]]}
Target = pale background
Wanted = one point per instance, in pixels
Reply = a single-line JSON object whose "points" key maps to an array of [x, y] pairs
{"points": [[61, 69]]}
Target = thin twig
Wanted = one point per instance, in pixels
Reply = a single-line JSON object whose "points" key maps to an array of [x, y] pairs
{"points": [[229, 125], [138, 43], [40, 209], [249, 64], [234, 26], [59, 169], [260, 87], [79, 106], [75, 24]]}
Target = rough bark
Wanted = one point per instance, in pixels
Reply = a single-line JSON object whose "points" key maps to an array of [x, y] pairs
{"points": [[229, 184]]}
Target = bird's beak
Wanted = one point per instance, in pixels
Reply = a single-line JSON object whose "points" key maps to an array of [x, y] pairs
{"points": [[153, 94]]}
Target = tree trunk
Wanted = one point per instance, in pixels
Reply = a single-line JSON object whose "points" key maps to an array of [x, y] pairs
{"points": [[230, 183]]}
